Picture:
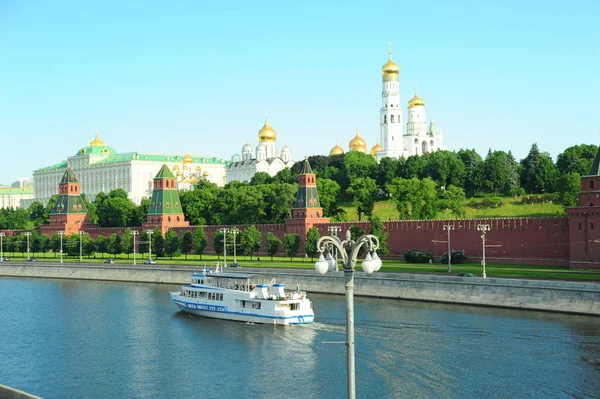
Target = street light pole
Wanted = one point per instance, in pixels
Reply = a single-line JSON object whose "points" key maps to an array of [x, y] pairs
{"points": [[333, 230], [449, 227], [349, 249], [224, 231], [61, 234], [150, 244], [234, 232], [484, 228], [81, 233], [134, 233], [2, 234], [27, 234]]}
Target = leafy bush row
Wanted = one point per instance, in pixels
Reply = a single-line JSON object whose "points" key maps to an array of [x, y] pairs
{"points": [[417, 256], [486, 203], [539, 199], [456, 256]]}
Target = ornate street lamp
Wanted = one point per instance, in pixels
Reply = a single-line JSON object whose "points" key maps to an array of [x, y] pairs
{"points": [[484, 228], [224, 230], [234, 232], [149, 232], [449, 227], [61, 234], [349, 249], [28, 234], [134, 233], [81, 233]]}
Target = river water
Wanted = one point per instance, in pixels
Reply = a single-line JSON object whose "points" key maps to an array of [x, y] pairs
{"points": [[84, 339]]}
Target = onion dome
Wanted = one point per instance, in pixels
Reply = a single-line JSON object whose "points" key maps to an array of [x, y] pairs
{"points": [[246, 148], [390, 70], [357, 143], [267, 133], [179, 173], [261, 148], [187, 159], [416, 101], [175, 167], [97, 142], [376, 148], [285, 148], [197, 167], [337, 150], [205, 174]]}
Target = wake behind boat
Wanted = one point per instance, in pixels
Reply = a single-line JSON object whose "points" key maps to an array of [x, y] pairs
{"points": [[253, 298]]}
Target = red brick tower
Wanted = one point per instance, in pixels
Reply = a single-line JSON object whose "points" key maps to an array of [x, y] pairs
{"points": [[584, 222], [307, 210], [165, 209], [69, 213]]}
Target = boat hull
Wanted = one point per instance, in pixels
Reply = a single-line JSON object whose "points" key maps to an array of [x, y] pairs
{"points": [[222, 312]]}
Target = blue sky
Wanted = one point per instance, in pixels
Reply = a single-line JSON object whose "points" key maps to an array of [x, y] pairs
{"points": [[196, 77]]}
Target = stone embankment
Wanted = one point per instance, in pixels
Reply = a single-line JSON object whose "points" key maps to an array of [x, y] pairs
{"points": [[554, 296]]}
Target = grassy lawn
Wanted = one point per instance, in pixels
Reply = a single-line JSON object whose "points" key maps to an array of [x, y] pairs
{"points": [[511, 207], [389, 266]]}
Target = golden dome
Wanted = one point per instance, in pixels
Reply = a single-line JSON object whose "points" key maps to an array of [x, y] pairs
{"points": [[266, 133], [390, 70], [416, 101], [360, 148], [205, 174], [357, 141], [175, 167], [97, 142], [179, 173], [376, 148], [187, 159], [197, 167], [337, 150]]}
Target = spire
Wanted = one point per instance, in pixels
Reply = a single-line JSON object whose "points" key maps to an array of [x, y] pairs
{"points": [[306, 169], [595, 169]]}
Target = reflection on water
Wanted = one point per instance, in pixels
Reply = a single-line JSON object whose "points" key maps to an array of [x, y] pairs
{"points": [[94, 339]]}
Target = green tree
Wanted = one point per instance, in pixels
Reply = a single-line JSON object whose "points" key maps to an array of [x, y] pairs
{"points": [[102, 245], [260, 178], [454, 199], [329, 196], [36, 213], [312, 236], [538, 173], [250, 240], [357, 165], [48, 209], [143, 242], [200, 241], [291, 243], [187, 243], [218, 244], [577, 159], [158, 243], [273, 244], [414, 198], [115, 246], [568, 187], [35, 243], [45, 244], [473, 163], [114, 209], [172, 243], [377, 228], [363, 191], [386, 173], [55, 244], [127, 242]]}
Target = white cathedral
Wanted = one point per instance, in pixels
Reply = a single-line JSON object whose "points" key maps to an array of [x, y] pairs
{"points": [[393, 142], [265, 159]]}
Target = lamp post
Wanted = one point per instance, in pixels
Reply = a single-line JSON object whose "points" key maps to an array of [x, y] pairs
{"points": [[134, 233], [224, 231], [61, 234], [348, 249], [333, 230], [234, 232], [449, 227], [484, 228], [150, 243], [81, 233], [2, 234], [28, 234]]}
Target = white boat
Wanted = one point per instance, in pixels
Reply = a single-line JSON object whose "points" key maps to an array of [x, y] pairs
{"points": [[253, 298]]}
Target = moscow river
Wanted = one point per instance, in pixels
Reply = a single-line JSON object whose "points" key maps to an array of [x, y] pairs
{"points": [[84, 339]]}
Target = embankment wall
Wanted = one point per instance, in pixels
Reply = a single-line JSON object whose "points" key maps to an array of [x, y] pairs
{"points": [[555, 296]]}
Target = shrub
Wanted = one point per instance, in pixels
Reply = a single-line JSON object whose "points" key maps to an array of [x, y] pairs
{"points": [[417, 256], [485, 203], [457, 256]]}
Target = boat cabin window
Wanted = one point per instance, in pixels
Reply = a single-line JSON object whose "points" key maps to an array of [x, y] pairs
{"points": [[294, 306]]}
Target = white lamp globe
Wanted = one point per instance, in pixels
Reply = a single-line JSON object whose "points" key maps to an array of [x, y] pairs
{"points": [[377, 261], [321, 266], [331, 262], [368, 265]]}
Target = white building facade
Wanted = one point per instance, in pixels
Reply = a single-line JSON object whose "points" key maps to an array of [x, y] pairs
{"points": [[264, 159], [100, 168]]}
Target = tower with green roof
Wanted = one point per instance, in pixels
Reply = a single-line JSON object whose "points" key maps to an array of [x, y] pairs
{"points": [[584, 221], [165, 209], [69, 214], [307, 209]]}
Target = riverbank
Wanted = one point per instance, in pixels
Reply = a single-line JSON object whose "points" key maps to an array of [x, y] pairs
{"points": [[553, 296]]}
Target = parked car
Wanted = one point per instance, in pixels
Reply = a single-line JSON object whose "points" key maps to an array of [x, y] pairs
{"points": [[31, 260], [5, 259], [149, 262], [110, 261], [235, 265], [466, 275]]}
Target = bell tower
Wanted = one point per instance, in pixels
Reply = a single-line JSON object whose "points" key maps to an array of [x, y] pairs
{"points": [[390, 115]]}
